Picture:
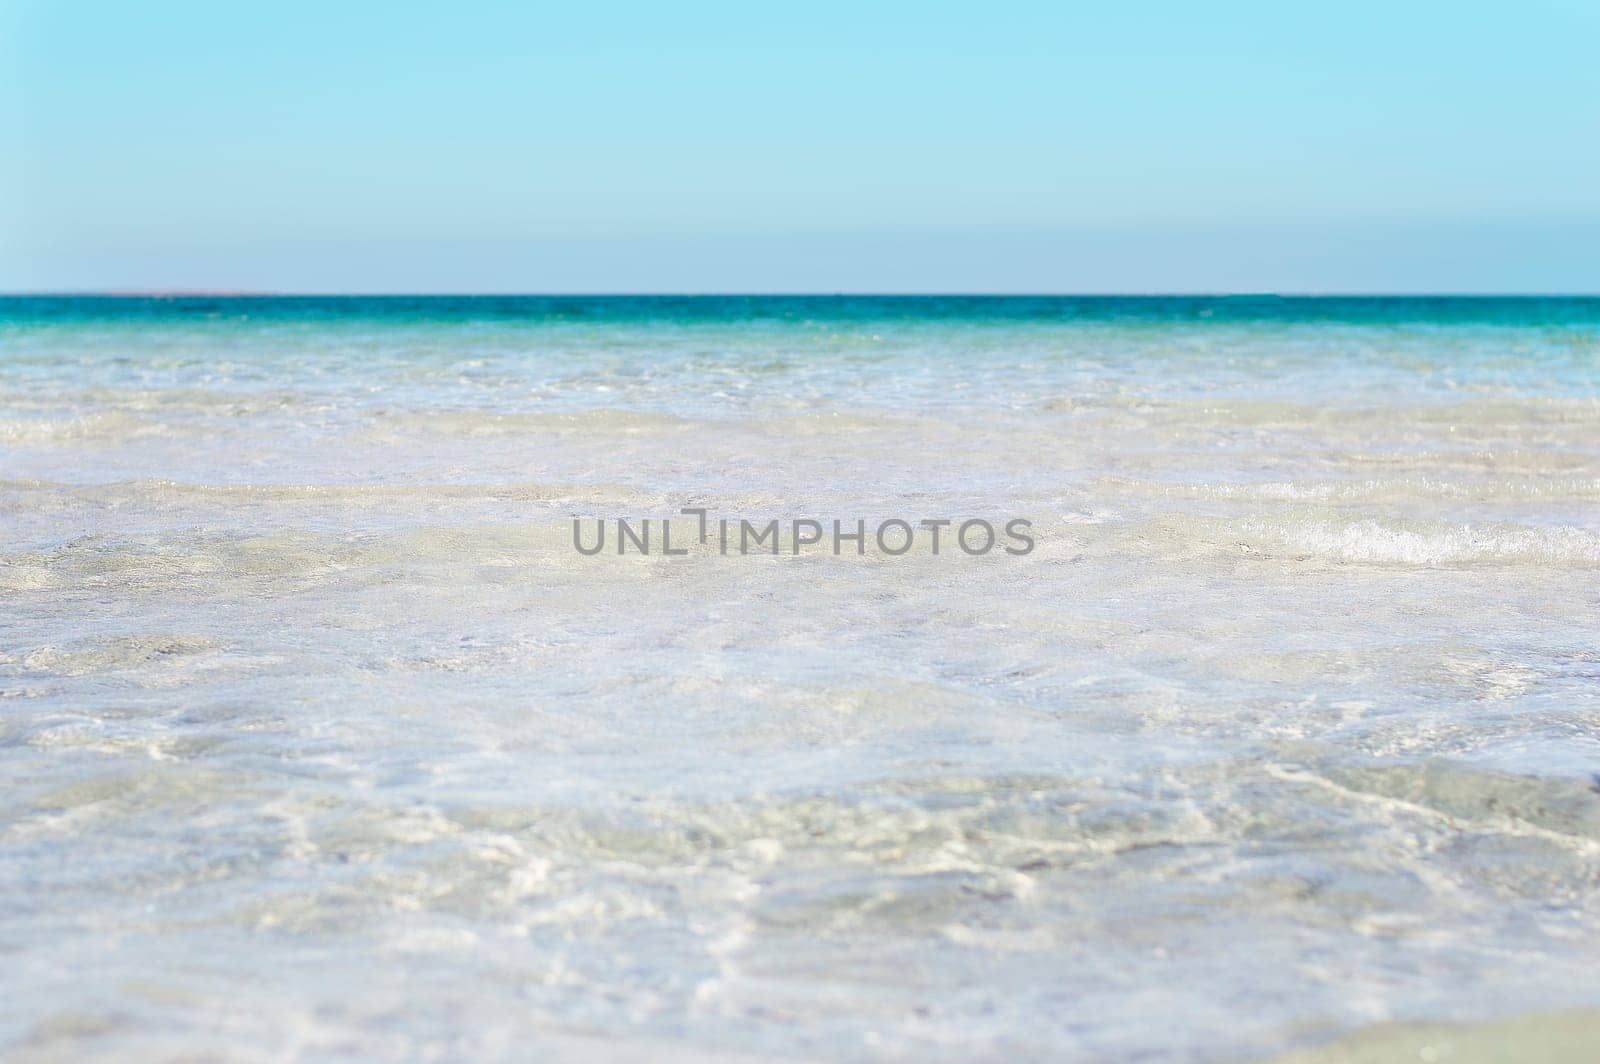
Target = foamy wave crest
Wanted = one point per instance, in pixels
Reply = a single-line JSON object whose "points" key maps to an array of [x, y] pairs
{"points": [[43, 494], [1378, 541], [493, 423], [106, 427], [1370, 490], [1470, 418], [621, 422]]}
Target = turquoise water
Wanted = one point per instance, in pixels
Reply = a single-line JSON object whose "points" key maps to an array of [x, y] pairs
{"points": [[321, 740]]}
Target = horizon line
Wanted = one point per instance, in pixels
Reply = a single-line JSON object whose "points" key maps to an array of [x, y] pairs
{"points": [[231, 293]]}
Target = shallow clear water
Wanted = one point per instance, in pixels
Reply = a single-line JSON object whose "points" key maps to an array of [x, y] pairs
{"points": [[319, 737]]}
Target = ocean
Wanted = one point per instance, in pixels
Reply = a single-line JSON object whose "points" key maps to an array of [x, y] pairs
{"points": [[321, 738]]}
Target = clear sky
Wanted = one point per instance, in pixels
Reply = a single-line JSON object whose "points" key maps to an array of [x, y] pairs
{"points": [[983, 146]]}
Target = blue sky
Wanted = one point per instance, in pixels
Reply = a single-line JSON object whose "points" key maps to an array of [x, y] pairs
{"points": [[1139, 146]]}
